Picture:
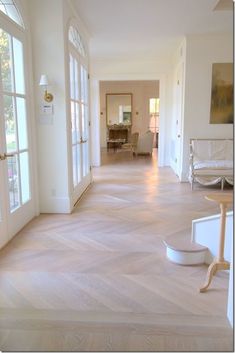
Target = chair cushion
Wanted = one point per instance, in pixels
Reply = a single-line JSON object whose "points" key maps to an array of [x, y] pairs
{"points": [[213, 164], [214, 172]]}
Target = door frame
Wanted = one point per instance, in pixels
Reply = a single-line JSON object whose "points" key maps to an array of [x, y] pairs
{"points": [[31, 207], [76, 193], [163, 153], [179, 98]]}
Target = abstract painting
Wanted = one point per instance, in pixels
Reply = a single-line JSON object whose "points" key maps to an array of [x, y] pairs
{"points": [[222, 94]]}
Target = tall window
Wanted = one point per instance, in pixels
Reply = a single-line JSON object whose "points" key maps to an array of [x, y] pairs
{"points": [[9, 8], [14, 109], [76, 40], [78, 106], [75, 124]]}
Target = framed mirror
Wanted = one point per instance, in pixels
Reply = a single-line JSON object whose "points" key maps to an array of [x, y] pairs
{"points": [[119, 109]]}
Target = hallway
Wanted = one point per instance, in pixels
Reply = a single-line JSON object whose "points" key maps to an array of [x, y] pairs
{"points": [[99, 280]]}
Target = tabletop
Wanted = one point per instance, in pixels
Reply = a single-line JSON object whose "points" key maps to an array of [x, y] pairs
{"points": [[220, 197]]}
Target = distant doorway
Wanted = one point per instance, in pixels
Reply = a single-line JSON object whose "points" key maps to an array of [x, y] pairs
{"points": [[98, 113], [143, 116]]}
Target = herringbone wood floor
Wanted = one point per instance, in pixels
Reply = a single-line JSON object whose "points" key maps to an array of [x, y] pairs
{"points": [[99, 280]]}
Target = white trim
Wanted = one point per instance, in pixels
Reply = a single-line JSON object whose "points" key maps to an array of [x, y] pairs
{"points": [[186, 258], [78, 22], [211, 241], [10, 19], [205, 219], [20, 217], [57, 204], [231, 290], [32, 135], [95, 123], [83, 61]]}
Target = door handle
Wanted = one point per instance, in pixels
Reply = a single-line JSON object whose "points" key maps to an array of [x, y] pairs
{"points": [[82, 141], [5, 156], [178, 136]]}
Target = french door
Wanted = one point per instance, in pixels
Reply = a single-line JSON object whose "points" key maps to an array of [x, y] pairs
{"points": [[79, 124], [16, 203]]}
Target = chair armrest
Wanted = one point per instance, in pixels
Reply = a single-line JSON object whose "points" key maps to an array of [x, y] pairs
{"points": [[191, 164], [191, 155]]}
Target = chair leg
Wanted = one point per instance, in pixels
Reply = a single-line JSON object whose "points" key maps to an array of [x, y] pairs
{"points": [[222, 184], [192, 184]]}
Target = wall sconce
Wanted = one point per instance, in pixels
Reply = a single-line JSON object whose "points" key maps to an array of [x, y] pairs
{"points": [[48, 97]]}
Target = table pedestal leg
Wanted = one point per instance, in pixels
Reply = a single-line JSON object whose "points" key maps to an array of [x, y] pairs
{"points": [[213, 268], [218, 263]]}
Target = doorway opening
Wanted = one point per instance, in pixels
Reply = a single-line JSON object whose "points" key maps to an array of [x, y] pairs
{"points": [[154, 119], [141, 118]]}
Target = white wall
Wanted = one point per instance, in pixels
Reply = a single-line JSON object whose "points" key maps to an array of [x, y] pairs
{"points": [[48, 58], [201, 52], [128, 68], [95, 123], [50, 22]]}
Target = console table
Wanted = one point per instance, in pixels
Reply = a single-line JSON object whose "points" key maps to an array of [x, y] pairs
{"points": [[115, 143], [118, 131]]}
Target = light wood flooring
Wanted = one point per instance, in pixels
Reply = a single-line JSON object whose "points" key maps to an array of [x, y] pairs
{"points": [[99, 280]]}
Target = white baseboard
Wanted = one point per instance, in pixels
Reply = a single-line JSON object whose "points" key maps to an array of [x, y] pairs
{"points": [[56, 205]]}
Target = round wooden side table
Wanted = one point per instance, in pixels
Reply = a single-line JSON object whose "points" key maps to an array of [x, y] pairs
{"points": [[224, 200]]}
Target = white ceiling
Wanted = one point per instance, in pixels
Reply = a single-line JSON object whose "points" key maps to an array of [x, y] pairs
{"points": [[124, 28]]}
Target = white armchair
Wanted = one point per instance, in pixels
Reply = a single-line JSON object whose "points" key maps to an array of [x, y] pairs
{"points": [[145, 143]]}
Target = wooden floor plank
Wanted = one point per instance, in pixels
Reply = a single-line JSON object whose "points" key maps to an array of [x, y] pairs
{"points": [[99, 280]]}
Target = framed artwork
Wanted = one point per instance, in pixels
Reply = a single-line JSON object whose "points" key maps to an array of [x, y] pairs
{"points": [[126, 117], [222, 94]]}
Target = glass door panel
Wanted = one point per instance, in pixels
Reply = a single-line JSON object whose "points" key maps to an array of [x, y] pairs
{"points": [[13, 182], [75, 122], [18, 66], [79, 124], [10, 123], [85, 122], [15, 122], [6, 62], [22, 123], [15, 170], [24, 177]]}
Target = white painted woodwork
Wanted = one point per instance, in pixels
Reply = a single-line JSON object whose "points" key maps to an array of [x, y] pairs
{"points": [[13, 220], [206, 231], [186, 257], [181, 250]]}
